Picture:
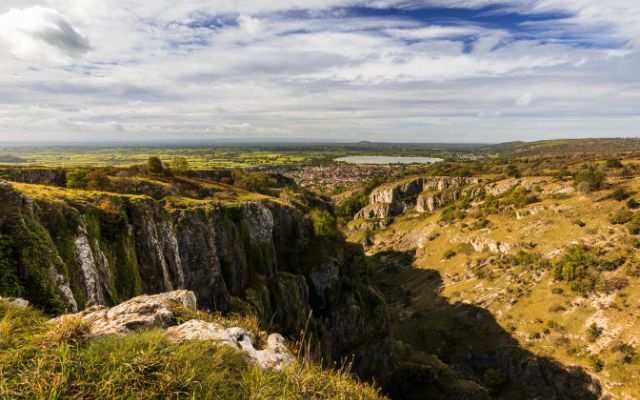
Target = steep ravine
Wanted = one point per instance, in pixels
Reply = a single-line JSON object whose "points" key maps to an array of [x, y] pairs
{"points": [[66, 252], [466, 337]]}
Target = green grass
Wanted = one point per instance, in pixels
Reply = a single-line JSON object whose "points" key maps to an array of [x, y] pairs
{"points": [[41, 361]]}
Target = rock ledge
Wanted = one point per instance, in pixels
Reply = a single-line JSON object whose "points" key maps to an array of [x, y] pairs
{"points": [[156, 311]]}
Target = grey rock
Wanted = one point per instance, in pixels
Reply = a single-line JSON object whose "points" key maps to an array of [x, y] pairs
{"points": [[142, 312], [274, 355]]}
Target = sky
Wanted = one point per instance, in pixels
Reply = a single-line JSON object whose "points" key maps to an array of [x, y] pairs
{"points": [[319, 70]]}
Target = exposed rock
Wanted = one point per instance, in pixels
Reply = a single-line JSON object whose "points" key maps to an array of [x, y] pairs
{"points": [[90, 281], [142, 312], [146, 312], [377, 211], [427, 203], [16, 302], [492, 246], [325, 280], [46, 176], [274, 355], [425, 194]]}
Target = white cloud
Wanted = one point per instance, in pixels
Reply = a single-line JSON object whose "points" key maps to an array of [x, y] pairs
{"points": [[251, 25], [234, 68], [524, 100], [43, 34]]}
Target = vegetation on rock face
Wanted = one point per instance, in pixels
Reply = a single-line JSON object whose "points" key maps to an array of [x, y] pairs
{"points": [[278, 255]]}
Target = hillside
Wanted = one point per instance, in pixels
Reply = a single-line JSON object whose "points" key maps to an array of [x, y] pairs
{"points": [[451, 282], [565, 146], [478, 269]]}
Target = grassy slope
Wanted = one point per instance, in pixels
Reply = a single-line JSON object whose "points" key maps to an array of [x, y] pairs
{"points": [[546, 317], [39, 361]]}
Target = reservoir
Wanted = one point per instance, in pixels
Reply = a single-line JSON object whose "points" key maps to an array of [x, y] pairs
{"points": [[388, 160]]}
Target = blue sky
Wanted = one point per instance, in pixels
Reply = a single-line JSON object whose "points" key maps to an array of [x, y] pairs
{"points": [[335, 70]]}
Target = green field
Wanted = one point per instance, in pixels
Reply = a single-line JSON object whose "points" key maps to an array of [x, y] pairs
{"points": [[205, 157]]}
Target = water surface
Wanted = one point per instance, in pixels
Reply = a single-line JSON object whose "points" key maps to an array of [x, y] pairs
{"points": [[388, 160]]}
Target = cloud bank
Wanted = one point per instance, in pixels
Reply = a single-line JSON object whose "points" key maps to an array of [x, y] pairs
{"points": [[411, 70], [39, 33]]}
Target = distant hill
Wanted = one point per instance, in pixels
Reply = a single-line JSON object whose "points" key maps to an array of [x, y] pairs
{"points": [[565, 146], [10, 159]]}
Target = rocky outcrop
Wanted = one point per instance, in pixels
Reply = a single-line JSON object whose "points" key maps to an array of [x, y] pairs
{"points": [[274, 355], [422, 194], [379, 211], [481, 244], [157, 311], [142, 312], [15, 302], [46, 176]]}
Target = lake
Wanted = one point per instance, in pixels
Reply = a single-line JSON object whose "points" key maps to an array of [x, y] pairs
{"points": [[388, 160]]}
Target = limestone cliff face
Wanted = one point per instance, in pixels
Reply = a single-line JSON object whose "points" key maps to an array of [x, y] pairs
{"points": [[424, 195], [259, 255]]}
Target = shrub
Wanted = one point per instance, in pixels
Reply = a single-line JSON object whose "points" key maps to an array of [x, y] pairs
{"points": [[620, 194], [621, 217], [595, 362], [154, 165], [628, 353], [77, 179], [324, 224], [634, 227], [632, 204], [578, 222], [98, 179], [556, 308], [513, 171], [180, 164], [494, 379], [449, 254], [519, 197], [579, 266], [452, 213], [529, 259], [593, 179], [614, 163], [594, 332]]}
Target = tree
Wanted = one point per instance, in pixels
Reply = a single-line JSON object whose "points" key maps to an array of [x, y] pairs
{"points": [[513, 171], [614, 163], [591, 178], [180, 164], [154, 165], [98, 179], [324, 224], [78, 179]]}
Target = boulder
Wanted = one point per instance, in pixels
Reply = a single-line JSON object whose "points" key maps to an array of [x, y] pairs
{"points": [[274, 355], [16, 302], [156, 311], [142, 312]]}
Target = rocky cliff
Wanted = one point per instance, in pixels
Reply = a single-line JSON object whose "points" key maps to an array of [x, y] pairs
{"points": [[423, 194], [67, 250]]}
